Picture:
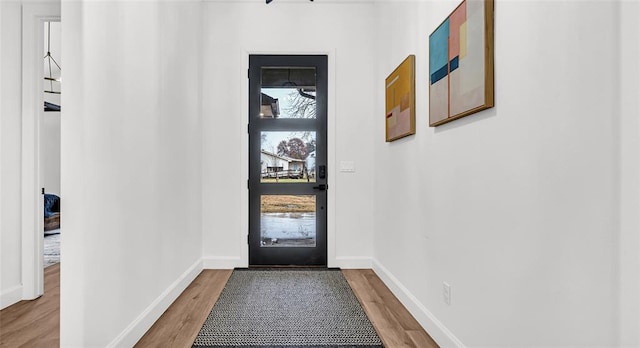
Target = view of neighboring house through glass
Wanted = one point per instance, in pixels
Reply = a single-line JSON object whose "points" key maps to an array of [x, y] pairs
{"points": [[287, 157], [288, 93]]}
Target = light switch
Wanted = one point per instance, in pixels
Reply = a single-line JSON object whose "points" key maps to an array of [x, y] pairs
{"points": [[347, 166]]}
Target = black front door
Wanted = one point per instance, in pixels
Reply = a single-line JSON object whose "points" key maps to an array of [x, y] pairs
{"points": [[288, 160]]}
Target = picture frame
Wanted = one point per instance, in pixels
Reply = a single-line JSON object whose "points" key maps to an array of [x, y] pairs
{"points": [[400, 100], [461, 63]]}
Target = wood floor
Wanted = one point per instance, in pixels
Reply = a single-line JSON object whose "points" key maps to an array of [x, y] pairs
{"points": [[180, 324], [36, 323], [393, 322]]}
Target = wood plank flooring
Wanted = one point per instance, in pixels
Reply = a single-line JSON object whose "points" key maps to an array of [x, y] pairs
{"points": [[180, 324], [393, 322], [36, 323]]}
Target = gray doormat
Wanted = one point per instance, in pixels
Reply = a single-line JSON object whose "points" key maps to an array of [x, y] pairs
{"points": [[310, 308]]}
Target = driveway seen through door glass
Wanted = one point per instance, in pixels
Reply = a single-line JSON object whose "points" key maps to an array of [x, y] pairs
{"points": [[288, 221]]}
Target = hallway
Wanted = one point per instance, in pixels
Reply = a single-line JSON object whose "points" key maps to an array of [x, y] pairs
{"points": [[515, 226]]}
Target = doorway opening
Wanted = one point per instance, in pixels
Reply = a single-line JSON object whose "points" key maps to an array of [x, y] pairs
{"points": [[35, 18], [50, 141], [288, 160]]}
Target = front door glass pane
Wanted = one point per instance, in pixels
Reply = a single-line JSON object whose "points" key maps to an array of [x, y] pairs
{"points": [[288, 157], [287, 221], [288, 93]]}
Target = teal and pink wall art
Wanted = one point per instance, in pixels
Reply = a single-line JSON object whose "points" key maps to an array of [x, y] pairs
{"points": [[461, 63]]}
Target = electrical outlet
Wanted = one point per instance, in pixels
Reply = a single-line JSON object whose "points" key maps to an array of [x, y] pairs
{"points": [[446, 293]]}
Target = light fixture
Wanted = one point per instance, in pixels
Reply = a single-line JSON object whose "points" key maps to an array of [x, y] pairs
{"points": [[48, 58]]}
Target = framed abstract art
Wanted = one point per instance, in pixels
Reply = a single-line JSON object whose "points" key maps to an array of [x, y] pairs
{"points": [[461, 63], [400, 100]]}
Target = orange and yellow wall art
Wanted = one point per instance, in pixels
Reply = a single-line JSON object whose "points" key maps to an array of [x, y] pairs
{"points": [[400, 104]]}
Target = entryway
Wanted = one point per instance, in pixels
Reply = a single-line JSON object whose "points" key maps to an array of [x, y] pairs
{"points": [[288, 160]]}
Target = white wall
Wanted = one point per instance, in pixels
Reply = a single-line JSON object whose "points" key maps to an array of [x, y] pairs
{"points": [[131, 168], [10, 127], [232, 31], [629, 252], [2, 295], [516, 207], [50, 136]]}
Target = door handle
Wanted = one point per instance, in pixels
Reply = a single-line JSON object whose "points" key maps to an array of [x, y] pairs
{"points": [[321, 187]]}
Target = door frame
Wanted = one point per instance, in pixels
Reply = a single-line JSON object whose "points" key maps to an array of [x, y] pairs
{"points": [[291, 255], [244, 152], [34, 15]]}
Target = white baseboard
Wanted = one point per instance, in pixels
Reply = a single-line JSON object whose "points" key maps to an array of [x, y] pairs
{"points": [[352, 262], [222, 262], [431, 324], [11, 296], [132, 334]]}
